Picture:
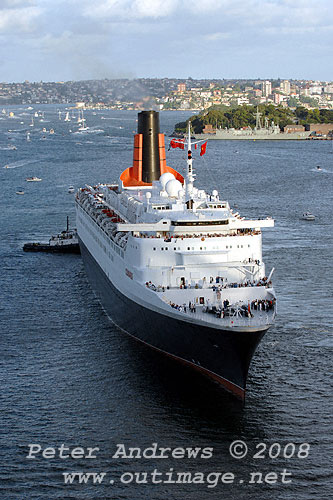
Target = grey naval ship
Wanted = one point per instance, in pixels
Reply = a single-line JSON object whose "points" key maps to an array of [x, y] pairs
{"points": [[266, 131], [175, 267]]}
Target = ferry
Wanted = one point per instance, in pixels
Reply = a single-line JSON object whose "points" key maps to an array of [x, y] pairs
{"points": [[175, 267]]}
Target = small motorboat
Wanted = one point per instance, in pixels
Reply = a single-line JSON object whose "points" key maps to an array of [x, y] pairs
{"points": [[308, 216], [20, 191], [71, 189], [318, 168], [33, 179]]}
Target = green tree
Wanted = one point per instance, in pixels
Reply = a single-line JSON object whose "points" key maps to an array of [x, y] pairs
{"points": [[301, 113]]}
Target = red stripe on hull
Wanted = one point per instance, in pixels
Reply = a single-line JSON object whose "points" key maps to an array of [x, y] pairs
{"points": [[226, 384]]}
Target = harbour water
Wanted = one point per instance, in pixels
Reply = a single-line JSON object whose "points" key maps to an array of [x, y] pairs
{"points": [[68, 376]]}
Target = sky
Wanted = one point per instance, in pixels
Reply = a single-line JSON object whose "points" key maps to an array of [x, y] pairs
{"points": [[62, 40]]}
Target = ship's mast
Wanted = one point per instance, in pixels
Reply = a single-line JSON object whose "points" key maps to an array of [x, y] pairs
{"points": [[258, 122], [190, 176]]}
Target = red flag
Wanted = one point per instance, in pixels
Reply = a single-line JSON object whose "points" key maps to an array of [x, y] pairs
{"points": [[203, 148], [176, 144], [195, 146]]}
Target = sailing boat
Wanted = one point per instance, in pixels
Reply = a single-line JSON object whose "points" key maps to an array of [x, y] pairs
{"points": [[67, 118], [82, 120], [80, 117], [83, 126]]}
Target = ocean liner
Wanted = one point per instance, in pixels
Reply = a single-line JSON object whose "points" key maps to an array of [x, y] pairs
{"points": [[175, 267]]}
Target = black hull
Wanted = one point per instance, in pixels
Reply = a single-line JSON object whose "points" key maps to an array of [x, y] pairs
{"points": [[40, 247], [222, 355]]}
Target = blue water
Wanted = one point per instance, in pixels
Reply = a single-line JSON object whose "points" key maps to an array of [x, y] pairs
{"points": [[68, 376]]}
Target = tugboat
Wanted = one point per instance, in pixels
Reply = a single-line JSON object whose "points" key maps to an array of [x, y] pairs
{"points": [[174, 266], [64, 242]]}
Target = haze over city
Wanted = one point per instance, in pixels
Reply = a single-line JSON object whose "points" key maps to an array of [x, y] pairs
{"points": [[77, 40]]}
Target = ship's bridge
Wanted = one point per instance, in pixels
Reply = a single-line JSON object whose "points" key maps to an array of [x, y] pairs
{"points": [[167, 198], [164, 209]]}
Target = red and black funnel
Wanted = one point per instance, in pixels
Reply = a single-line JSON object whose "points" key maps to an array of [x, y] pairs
{"points": [[149, 127], [149, 160]]}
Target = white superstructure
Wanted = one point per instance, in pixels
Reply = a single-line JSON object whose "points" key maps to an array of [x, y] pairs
{"points": [[179, 251]]}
